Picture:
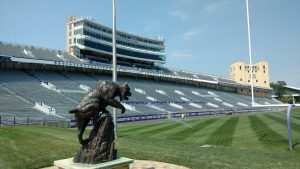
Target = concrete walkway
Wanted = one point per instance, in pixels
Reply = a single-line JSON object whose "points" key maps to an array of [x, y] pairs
{"points": [[143, 164]]}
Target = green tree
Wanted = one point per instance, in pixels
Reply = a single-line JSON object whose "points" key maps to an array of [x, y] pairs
{"points": [[278, 88], [287, 99]]}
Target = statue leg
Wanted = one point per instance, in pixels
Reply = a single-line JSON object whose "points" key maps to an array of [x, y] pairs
{"points": [[81, 129], [96, 119], [82, 118], [116, 104]]}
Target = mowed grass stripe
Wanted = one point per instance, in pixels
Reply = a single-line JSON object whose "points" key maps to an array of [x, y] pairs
{"points": [[151, 132], [142, 126], [139, 127], [202, 135], [224, 134], [296, 117], [294, 113], [268, 137], [244, 136], [283, 122], [183, 134], [184, 125]]}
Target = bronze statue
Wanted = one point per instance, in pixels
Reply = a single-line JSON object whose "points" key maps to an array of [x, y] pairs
{"points": [[94, 104]]}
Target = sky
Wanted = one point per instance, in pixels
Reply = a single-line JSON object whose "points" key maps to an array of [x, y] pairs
{"points": [[204, 36]]}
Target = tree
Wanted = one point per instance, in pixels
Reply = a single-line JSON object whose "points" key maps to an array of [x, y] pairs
{"points": [[287, 99], [278, 88], [281, 83]]}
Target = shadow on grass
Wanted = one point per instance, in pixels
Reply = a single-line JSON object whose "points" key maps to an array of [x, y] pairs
{"points": [[265, 137], [294, 145], [268, 137]]}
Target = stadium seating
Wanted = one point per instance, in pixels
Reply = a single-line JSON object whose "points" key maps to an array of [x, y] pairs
{"points": [[145, 99], [30, 89], [62, 90], [15, 109], [32, 52]]}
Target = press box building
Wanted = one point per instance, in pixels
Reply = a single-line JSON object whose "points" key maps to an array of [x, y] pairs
{"points": [[87, 39]]}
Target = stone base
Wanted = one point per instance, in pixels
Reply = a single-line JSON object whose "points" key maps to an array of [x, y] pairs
{"points": [[100, 147], [119, 163]]}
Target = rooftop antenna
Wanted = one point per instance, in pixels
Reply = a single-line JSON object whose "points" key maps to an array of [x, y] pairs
{"points": [[250, 53]]}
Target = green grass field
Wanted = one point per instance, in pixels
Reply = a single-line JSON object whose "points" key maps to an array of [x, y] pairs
{"points": [[254, 140]]}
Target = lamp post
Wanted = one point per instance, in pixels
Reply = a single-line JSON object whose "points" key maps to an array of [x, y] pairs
{"points": [[114, 59], [250, 53]]}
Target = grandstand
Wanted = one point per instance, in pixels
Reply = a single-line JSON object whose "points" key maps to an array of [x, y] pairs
{"points": [[45, 83], [39, 83]]}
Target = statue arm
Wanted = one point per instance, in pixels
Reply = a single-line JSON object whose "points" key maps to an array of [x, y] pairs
{"points": [[116, 104]]}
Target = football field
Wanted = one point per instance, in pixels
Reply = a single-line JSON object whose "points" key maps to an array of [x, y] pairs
{"points": [[252, 140]]}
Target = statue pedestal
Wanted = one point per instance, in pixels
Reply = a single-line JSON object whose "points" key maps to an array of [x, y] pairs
{"points": [[119, 163], [101, 147]]}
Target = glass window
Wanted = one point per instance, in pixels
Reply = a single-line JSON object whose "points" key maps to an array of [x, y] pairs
{"points": [[124, 51]]}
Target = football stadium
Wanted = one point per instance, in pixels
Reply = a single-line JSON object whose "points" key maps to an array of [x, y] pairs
{"points": [[175, 116]]}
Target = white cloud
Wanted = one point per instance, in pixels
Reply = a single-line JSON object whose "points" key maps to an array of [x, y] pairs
{"points": [[180, 54], [214, 7], [179, 14], [192, 34]]}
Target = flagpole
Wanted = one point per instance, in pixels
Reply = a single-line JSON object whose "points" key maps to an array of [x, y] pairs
{"points": [[114, 59], [250, 53]]}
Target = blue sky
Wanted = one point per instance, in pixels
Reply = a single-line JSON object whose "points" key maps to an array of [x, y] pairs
{"points": [[201, 35]]}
